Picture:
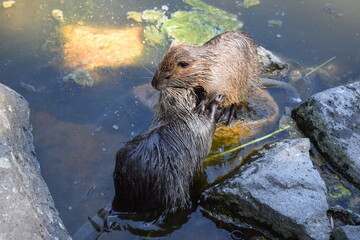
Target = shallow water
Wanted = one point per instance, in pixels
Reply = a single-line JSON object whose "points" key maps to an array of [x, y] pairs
{"points": [[77, 129]]}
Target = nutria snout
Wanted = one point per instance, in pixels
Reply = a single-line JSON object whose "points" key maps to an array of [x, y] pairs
{"points": [[155, 169]]}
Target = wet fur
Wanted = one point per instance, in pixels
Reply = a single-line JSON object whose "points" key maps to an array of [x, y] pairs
{"points": [[227, 64], [155, 169]]}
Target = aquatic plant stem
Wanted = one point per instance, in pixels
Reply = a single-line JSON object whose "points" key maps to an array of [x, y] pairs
{"points": [[246, 144], [320, 66]]}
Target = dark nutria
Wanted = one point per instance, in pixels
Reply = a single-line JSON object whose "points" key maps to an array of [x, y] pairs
{"points": [[155, 169], [227, 64]]}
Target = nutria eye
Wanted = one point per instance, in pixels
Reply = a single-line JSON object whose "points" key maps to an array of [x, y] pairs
{"points": [[183, 64]]}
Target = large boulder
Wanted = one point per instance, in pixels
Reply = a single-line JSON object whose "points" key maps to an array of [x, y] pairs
{"points": [[280, 189], [27, 210], [331, 119]]}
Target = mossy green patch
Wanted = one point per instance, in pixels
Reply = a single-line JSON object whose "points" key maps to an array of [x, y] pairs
{"points": [[250, 3], [191, 27], [154, 36], [338, 191], [196, 27], [199, 5]]}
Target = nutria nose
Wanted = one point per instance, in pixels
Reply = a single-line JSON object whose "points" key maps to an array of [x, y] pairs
{"points": [[154, 81], [158, 80]]}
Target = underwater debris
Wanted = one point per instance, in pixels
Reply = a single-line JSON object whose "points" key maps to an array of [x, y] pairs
{"points": [[275, 23], [80, 77], [58, 15]]}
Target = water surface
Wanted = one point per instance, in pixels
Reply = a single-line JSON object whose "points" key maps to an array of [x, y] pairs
{"points": [[77, 129]]}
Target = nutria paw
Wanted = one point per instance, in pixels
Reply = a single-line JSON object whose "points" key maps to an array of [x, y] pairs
{"points": [[229, 114], [201, 107], [215, 103]]}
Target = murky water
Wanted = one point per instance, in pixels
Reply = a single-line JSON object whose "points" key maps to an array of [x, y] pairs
{"points": [[77, 129]]}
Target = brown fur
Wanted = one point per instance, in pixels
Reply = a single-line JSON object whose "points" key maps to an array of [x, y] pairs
{"points": [[227, 64], [155, 169]]}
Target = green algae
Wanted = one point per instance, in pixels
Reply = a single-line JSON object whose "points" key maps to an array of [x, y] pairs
{"points": [[196, 26], [199, 5], [338, 191], [250, 3], [154, 36]]}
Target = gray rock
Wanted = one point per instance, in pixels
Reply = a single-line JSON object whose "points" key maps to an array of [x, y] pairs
{"points": [[331, 119], [280, 189], [270, 63], [344, 215], [347, 233], [27, 210]]}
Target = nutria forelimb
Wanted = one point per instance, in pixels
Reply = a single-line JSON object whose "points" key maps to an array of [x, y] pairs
{"points": [[155, 169]]}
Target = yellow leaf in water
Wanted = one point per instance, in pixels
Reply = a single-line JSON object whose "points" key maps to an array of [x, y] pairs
{"points": [[90, 47], [7, 4]]}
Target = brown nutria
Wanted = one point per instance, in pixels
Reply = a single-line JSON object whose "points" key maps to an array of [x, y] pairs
{"points": [[155, 169], [227, 64]]}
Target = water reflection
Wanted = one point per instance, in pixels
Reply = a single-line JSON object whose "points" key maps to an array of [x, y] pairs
{"points": [[181, 224], [77, 129]]}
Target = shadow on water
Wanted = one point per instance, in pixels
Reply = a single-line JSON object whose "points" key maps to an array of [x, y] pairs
{"points": [[153, 225], [77, 129]]}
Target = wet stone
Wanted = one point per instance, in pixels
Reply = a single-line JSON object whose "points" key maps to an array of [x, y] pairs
{"points": [[331, 119], [27, 210], [280, 189], [271, 63], [346, 233], [81, 77]]}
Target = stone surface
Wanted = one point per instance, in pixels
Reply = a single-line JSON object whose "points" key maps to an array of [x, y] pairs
{"points": [[331, 119], [27, 210], [347, 233], [280, 189], [269, 62]]}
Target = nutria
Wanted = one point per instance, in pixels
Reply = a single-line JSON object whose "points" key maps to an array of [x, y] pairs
{"points": [[155, 169], [227, 64]]}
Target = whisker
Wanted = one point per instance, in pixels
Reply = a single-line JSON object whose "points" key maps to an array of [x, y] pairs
{"points": [[148, 70]]}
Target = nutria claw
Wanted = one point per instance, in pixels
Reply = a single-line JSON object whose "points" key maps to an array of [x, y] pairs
{"points": [[218, 100], [210, 105], [200, 109]]}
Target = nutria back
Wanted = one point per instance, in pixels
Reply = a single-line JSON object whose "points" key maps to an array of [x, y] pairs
{"points": [[155, 169], [227, 64]]}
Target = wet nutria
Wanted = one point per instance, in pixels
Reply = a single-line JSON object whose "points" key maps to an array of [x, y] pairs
{"points": [[155, 169], [227, 64]]}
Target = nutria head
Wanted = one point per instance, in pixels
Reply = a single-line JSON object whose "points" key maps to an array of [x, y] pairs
{"points": [[183, 66], [227, 64]]}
